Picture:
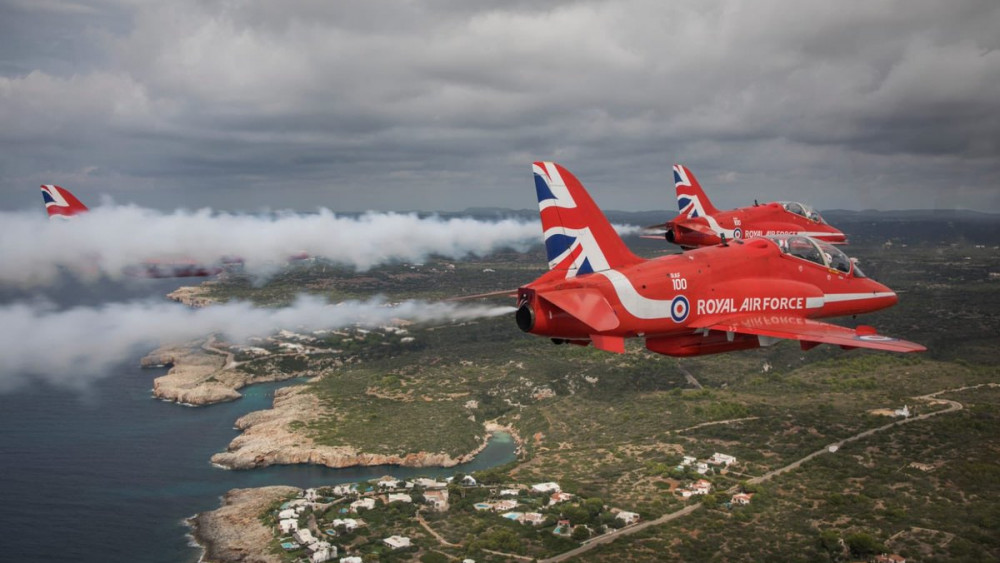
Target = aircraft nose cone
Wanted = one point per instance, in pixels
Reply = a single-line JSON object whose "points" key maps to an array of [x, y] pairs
{"points": [[888, 297]]}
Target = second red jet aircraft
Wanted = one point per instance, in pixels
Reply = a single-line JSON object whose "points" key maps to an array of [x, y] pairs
{"points": [[701, 224]]}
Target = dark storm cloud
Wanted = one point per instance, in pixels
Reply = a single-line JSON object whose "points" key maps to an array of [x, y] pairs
{"points": [[443, 105]]}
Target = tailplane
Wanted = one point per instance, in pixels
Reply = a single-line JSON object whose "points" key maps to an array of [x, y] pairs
{"points": [[59, 202], [691, 199], [579, 239]]}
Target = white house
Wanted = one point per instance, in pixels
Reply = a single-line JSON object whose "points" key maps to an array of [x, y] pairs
{"points": [[741, 499], [311, 495], [701, 467], [304, 536], [287, 513], [351, 559], [509, 492], [627, 517], [349, 524], [688, 460], [345, 489], [397, 542], [288, 526], [903, 412], [556, 498], [504, 505], [469, 481], [389, 483], [438, 499], [721, 459], [533, 518], [702, 487], [398, 497], [320, 546], [323, 555], [366, 503], [549, 487]]}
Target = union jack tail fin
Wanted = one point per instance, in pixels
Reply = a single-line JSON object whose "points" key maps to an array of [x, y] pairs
{"points": [[691, 199], [59, 202], [578, 237]]}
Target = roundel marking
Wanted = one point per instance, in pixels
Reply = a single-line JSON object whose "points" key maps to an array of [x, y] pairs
{"points": [[737, 233], [876, 338], [679, 309]]}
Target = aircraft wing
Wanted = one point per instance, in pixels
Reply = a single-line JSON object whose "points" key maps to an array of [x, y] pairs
{"points": [[811, 332]]}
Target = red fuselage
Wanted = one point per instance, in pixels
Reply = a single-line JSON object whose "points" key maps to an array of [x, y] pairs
{"points": [[745, 223], [671, 300]]}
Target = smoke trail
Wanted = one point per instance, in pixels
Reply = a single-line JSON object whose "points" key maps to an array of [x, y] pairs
{"points": [[72, 347], [109, 239]]}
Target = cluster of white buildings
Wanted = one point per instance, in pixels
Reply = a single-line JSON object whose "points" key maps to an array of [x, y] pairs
{"points": [[701, 467], [700, 487], [435, 494], [388, 488]]}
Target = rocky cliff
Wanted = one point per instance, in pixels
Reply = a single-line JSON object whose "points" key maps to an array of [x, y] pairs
{"points": [[202, 375], [234, 532], [268, 438], [193, 296]]}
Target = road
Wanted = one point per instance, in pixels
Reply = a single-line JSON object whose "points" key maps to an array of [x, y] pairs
{"points": [[687, 375], [610, 537]]}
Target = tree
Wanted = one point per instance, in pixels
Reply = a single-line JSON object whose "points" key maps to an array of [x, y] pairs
{"points": [[829, 540], [580, 533], [862, 544]]}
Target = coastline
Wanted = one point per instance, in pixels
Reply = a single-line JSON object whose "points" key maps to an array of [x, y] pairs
{"points": [[268, 437], [233, 532], [193, 295], [201, 374]]}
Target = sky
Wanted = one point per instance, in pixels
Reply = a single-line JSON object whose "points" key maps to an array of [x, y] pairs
{"points": [[443, 105]]}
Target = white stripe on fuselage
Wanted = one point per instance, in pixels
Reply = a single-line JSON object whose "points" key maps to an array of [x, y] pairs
{"points": [[648, 309]]}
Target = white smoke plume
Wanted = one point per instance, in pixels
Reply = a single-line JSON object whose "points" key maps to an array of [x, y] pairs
{"points": [[72, 347], [109, 239]]}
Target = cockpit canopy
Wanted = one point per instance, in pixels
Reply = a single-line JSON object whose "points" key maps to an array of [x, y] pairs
{"points": [[803, 210], [820, 252]]}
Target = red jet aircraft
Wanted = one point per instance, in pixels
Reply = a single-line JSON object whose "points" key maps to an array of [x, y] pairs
{"points": [[736, 296], [60, 203], [701, 224]]}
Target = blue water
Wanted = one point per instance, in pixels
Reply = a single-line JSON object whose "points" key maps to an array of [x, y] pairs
{"points": [[110, 474]]}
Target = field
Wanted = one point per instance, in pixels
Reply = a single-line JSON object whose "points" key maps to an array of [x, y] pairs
{"points": [[615, 427]]}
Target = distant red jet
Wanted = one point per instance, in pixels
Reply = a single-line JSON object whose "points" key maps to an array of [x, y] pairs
{"points": [[735, 296], [60, 203], [701, 224]]}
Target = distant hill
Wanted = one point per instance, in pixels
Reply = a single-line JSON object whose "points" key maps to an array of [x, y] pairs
{"points": [[912, 226]]}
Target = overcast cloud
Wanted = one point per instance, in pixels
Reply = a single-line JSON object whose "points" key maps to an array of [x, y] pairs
{"points": [[443, 105]]}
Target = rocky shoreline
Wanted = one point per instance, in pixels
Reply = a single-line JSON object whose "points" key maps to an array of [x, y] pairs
{"points": [[234, 532], [202, 375], [268, 438], [193, 295]]}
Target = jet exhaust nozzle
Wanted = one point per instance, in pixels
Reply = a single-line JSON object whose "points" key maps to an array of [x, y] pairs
{"points": [[525, 317]]}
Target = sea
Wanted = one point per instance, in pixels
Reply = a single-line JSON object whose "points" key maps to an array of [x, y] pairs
{"points": [[108, 473]]}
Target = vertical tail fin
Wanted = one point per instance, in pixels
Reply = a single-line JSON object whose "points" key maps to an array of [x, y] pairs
{"points": [[691, 199], [578, 237], [59, 202]]}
